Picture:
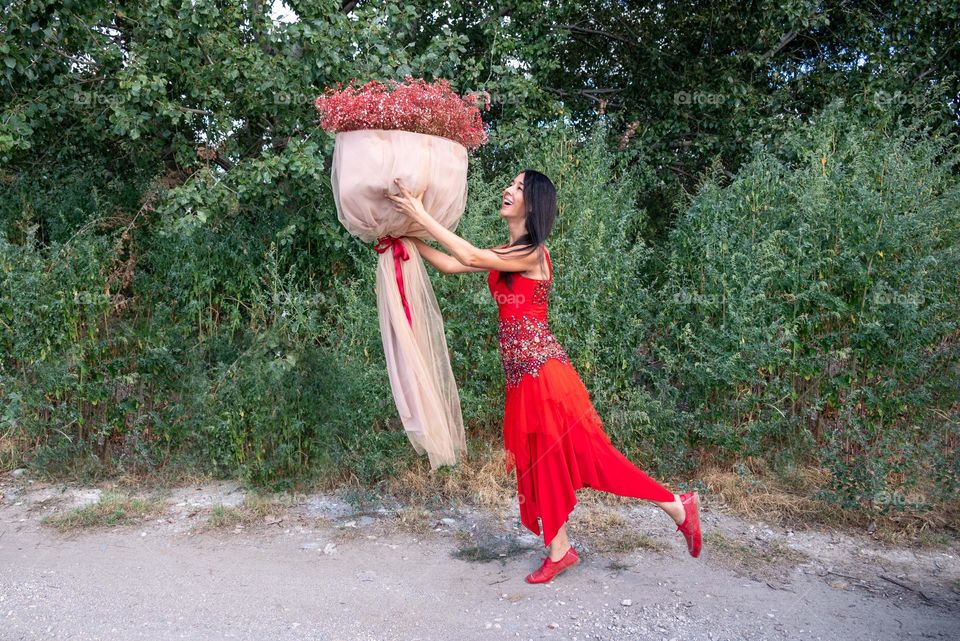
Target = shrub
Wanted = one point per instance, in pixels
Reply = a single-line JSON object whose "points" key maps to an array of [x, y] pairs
{"points": [[809, 308]]}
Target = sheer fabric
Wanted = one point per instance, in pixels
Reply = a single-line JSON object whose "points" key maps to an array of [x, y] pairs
{"points": [[365, 162]]}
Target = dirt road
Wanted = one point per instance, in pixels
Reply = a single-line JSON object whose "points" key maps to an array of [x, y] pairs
{"points": [[319, 569]]}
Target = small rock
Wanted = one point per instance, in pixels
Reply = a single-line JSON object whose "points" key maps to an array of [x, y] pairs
{"points": [[330, 548], [17, 473], [626, 602], [553, 626]]}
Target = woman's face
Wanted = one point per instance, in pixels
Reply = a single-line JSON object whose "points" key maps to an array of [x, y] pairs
{"points": [[512, 203]]}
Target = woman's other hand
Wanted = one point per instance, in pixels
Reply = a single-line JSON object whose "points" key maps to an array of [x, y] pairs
{"points": [[406, 202]]}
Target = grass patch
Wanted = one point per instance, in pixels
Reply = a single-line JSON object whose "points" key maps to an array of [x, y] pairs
{"points": [[928, 539], [608, 531], [113, 509], [752, 490], [415, 520], [256, 509], [224, 516], [479, 478], [760, 557]]}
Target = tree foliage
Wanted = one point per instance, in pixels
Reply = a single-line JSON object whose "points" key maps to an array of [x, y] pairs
{"points": [[744, 184]]}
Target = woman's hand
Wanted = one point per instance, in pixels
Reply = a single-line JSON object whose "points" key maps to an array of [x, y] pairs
{"points": [[463, 252], [407, 203]]}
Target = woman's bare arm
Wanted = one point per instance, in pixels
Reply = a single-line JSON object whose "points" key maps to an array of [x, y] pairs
{"points": [[446, 263], [470, 257]]}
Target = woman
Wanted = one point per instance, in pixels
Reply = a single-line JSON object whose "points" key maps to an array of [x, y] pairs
{"points": [[552, 433]]}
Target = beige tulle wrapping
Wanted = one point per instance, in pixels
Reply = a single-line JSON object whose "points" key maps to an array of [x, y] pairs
{"points": [[365, 162]]}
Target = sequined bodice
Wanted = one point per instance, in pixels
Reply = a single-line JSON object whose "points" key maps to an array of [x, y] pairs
{"points": [[523, 334]]}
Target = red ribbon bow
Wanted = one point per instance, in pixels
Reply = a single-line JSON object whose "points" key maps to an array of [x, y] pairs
{"points": [[399, 253]]}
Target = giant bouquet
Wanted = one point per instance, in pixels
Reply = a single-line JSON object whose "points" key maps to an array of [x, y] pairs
{"points": [[420, 133]]}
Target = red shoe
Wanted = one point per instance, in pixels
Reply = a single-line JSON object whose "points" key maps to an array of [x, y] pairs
{"points": [[691, 523], [550, 569]]}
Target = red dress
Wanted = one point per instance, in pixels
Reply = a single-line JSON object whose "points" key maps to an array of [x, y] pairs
{"points": [[552, 434]]}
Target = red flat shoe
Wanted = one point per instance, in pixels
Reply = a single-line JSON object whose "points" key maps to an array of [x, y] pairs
{"points": [[550, 569], [691, 523]]}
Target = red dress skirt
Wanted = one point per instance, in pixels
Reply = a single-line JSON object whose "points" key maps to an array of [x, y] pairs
{"points": [[553, 437]]}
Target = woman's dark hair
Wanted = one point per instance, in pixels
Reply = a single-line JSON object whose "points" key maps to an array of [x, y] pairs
{"points": [[540, 203]]}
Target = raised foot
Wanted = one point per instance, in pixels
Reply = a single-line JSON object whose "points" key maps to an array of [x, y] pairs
{"points": [[691, 523]]}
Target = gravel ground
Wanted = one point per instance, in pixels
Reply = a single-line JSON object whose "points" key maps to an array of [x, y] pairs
{"points": [[321, 569]]}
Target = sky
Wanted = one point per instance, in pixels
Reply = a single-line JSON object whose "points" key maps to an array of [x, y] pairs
{"points": [[280, 12]]}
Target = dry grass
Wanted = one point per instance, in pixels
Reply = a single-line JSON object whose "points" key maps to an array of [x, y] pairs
{"points": [[113, 509], [11, 451], [605, 530], [163, 478], [759, 494], [256, 509], [754, 492], [752, 557], [414, 520], [750, 490], [478, 479]]}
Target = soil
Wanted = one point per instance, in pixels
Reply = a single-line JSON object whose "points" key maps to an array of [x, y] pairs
{"points": [[322, 567]]}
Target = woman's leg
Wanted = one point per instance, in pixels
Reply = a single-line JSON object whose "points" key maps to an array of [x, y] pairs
{"points": [[674, 508], [607, 469], [560, 544]]}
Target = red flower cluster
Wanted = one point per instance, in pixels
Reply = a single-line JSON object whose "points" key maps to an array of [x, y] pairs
{"points": [[412, 105]]}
